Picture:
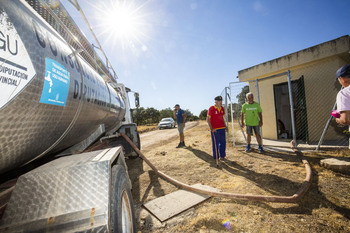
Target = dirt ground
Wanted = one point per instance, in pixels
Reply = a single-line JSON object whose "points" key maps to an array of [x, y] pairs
{"points": [[324, 208]]}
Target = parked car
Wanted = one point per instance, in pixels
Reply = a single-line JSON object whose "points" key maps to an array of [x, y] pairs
{"points": [[166, 123]]}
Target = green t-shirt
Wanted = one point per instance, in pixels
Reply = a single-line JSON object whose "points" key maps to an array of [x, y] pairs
{"points": [[251, 113]]}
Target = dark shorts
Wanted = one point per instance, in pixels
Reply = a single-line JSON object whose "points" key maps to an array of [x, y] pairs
{"points": [[249, 129]]}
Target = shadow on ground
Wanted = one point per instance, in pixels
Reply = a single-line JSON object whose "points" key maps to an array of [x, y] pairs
{"points": [[277, 185]]}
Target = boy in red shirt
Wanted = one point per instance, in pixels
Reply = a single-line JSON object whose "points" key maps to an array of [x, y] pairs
{"points": [[217, 125]]}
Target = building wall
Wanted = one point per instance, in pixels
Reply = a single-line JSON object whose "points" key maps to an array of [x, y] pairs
{"points": [[267, 104], [320, 94], [325, 50], [317, 65], [321, 90]]}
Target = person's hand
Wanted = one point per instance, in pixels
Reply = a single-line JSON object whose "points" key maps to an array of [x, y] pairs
{"points": [[338, 122], [260, 123], [213, 130], [226, 129], [242, 125], [183, 125]]}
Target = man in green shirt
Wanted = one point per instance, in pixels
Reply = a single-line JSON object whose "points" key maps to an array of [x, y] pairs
{"points": [[251, 116]]}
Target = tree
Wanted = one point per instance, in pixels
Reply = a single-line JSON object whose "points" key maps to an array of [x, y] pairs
{"points": [[203, 114], [137, 116], [164, 113], [241, 96], [151, 115], [144, 116], [190, 116], [236, 110], [237, 107]]}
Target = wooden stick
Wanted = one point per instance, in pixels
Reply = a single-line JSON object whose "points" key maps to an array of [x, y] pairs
{"points": [[216, 150]]}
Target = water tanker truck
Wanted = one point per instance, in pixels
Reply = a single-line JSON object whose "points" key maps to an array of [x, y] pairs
{"points": [[62, 106]]}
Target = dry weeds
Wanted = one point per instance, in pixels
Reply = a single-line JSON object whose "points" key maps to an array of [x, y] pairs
{"points": [[147, 128], [324, 208]]}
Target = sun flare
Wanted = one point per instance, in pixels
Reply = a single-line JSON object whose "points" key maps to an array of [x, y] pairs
{"points": [[124, 23]]}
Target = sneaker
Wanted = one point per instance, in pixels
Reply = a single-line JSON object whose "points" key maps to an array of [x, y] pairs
{"points": [[247, 148], [183, 144], [261, 150]]}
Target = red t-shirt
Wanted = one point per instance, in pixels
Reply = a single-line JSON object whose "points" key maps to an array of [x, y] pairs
{"points": [[217, 117]]}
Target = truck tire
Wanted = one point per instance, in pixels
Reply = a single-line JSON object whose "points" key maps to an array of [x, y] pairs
{"points": [[122, 209]]}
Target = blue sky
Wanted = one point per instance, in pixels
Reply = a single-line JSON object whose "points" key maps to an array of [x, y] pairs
{"points": [[187, 51]]}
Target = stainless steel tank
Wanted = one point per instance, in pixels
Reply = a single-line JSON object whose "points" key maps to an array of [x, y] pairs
{"points": [[50, 98]]}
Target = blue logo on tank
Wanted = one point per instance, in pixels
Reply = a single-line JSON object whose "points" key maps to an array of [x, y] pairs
{"points": [[56, 86]]}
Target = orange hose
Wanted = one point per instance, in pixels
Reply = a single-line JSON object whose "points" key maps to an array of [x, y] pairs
{"points": [[282, 199]]}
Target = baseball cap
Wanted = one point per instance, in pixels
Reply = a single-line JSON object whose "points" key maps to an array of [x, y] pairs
{"points": [[219, 98], [343, 71]]}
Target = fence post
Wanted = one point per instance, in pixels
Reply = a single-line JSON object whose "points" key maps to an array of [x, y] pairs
{"points": [[292, 108], [325, 129], [226, 105], [258, 95], [226, 112], [233, 132], [257, 90]]}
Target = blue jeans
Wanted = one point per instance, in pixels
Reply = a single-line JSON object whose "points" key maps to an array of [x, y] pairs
{"points": [[220, 139]]}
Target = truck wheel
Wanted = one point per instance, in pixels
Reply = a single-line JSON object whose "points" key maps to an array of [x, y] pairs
{"points": [[122, 209]]}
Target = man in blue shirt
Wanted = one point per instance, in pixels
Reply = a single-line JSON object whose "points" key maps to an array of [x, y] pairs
{"points": [[180, 117]]}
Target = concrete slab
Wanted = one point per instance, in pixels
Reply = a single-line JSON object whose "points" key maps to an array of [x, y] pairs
{"points": [[282, 145], [172, 204], [337, 164]]}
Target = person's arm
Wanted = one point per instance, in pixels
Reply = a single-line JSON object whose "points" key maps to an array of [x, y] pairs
{"points": [[184, 119], [260, 119], [344, 118], [174, 114], [210, 126], [242, 119]]}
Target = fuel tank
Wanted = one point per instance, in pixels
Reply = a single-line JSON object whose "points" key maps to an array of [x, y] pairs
{"points": [[50, 97]]}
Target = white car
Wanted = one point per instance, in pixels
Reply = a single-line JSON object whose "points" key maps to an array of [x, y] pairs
{"points": [[166, 123]]}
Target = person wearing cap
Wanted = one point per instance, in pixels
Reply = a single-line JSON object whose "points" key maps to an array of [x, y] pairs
{"points": [[251, 117], [180, 117], [217, 125], [343, 96]]}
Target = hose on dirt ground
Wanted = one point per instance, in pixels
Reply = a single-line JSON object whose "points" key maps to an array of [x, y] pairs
{"points": [[281, 199]]}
